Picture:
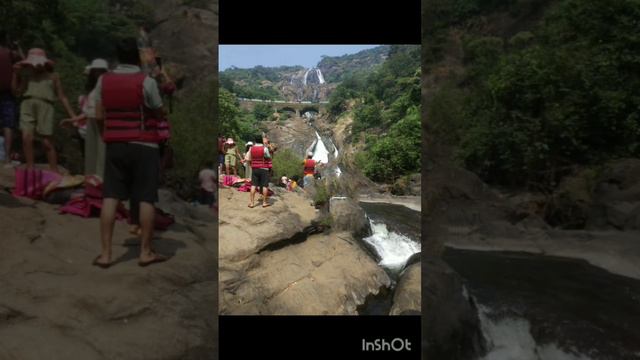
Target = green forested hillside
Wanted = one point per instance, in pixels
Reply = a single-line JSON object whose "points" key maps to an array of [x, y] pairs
{"points": [[531, 104], [259, 82], [337, 68], [386, 108]]}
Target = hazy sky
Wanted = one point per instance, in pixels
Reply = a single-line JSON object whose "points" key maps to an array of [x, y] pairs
{"points": [[248, 56]]}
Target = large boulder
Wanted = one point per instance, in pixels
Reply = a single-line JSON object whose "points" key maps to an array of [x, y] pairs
{"points": [[186, 36], [616, 197], [328, 274], [408, 295], [244, 231], [452, 327], [347, 215], [598, 198], [293, 134], [54, 304]]}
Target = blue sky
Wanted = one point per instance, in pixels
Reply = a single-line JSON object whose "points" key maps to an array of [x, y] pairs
{"points": [[248, 56]]}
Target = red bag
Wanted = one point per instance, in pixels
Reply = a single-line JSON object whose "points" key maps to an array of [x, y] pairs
{"points": [[32, 182]]}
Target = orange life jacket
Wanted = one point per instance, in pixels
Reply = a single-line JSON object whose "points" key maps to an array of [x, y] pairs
{"points": [[309, 166], [127, 119]]}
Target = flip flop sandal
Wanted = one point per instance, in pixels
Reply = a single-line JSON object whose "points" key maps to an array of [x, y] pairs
{"points": [[251, 206], [99, 264], [157, 258], [266, 205]]}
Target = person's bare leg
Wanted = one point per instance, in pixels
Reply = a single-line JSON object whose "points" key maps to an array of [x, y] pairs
{"points": [[27, 147], [52, 156], [265, 196], [147, 218], [8, 141], [107, 221], [252, 196]]}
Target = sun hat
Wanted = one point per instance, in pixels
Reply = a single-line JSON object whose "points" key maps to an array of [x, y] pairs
{"points": [[249, 143], [309, 153], [37, 57], [96, 64], [230, 141]]}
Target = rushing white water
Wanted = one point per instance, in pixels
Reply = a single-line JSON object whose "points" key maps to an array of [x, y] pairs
{"points": [[318, 73], [320, 77], [304, 80], [394, 249], [510, 338], [320, 152]]}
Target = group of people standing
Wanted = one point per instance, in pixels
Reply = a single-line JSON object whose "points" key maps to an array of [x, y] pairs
{"points": [[122, 119], [257, 160]]}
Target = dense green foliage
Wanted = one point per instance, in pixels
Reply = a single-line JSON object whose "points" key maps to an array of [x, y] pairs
{"points": [[286, 163], [536, 104], [193, 138], [234, 122], [387, 107], [338, 68], [256, 83]]}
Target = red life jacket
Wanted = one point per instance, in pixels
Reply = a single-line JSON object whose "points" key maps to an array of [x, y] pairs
{"points": [[258, 161], [127, 119], [6, 69], [309, 167]]}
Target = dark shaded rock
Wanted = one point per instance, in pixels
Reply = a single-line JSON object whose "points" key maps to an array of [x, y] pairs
{"points": [[452, 328]]}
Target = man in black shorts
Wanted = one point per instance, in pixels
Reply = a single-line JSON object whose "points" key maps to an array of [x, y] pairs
{"points": [[131, 135], [260, 159]]}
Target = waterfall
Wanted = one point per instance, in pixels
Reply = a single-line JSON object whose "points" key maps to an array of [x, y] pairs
{"points": [[392, 248], [304, 80], [320, 152], [320, 77], [318, 74], [511, 338]]}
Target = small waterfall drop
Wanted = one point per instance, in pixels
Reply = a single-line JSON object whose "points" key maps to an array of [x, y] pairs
{"points": [[392, 248]]}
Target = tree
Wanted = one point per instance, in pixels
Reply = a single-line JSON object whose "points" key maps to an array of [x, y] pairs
{"points": [[262, 111]]}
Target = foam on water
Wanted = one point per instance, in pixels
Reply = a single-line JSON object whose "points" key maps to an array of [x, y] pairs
{"points": [[510, 338], [394, 249]]}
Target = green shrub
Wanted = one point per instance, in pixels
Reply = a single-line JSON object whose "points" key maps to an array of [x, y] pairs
{"points": [[192, 138], [286, 163]]}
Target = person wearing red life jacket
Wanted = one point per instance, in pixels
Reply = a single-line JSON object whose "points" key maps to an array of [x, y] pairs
{"points": [[260, 159], [130, 113], [309, 169]]}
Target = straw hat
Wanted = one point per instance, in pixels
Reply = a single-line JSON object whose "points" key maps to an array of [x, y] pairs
{"points": [[96, 64], [37, 57]]}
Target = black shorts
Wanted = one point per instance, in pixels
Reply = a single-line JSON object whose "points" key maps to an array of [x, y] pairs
{"points": [[260, 177], [131, 171]]}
